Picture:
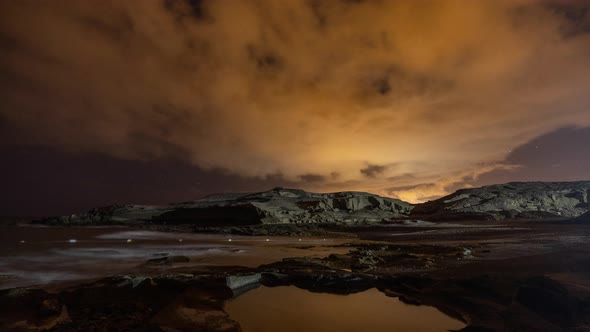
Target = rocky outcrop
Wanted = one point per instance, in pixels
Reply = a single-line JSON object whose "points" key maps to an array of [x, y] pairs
{"points": [[242, 280], [276, 206], [515, 200], [280, 206]]}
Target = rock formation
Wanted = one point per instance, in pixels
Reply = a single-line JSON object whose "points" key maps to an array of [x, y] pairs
{"points": [[515, 200], [279, 206], [276, 206]]}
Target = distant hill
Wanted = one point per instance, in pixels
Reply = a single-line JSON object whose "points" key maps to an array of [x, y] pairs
{"points": [[516, 200], [276, 206]]}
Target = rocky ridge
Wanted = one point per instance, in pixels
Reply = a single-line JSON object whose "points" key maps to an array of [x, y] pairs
{"points": [[514, 200], [276, 206], [280, 206]]}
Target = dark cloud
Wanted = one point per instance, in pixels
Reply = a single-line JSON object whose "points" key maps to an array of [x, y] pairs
{"points": [[197, 7], [265, 61], [576, 17], [318, 12], [382, 86], [373, 170], [194, 11]]}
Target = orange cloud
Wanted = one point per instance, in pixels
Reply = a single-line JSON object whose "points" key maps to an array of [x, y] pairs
{"points": [[433, 89]]}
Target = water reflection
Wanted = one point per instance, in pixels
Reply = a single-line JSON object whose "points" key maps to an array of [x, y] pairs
{"points": [[289, 309]]}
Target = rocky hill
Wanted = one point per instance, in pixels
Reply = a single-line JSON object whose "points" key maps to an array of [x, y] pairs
{"points": [[515, 200], [276, 206]]}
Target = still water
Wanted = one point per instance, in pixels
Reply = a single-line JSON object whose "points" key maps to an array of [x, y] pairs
{"points": [[51, 255], [45, 255], [290, 309]]}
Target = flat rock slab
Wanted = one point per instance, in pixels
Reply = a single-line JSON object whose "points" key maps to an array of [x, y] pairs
{"points": [[238, 281]]}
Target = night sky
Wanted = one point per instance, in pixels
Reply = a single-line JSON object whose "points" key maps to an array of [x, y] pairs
{"points": [[112, 102]]}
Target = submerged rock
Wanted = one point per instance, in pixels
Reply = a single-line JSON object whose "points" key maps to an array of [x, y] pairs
{"points": [[167, 260], [239, 281]]}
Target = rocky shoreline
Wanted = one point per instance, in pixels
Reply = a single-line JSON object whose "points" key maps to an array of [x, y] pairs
{"points": [[529, 272], [494, 279]]}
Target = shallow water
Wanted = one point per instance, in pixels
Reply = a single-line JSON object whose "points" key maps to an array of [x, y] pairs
{"points": [[289, 309], [44, 255]]}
